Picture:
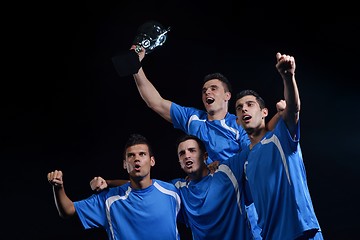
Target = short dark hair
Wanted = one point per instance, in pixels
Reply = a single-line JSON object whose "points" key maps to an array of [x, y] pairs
{"points": [[186, 137], [136, 139], [221, 77], [248, 92]]}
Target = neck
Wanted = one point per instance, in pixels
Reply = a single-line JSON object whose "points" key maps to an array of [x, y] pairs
{"points": [[199, 174], [140, 183], [255, 135], [213, 115]]}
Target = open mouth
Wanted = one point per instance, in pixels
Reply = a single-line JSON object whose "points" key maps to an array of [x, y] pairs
{"points": [[137, 167], [246, 118], [189, 163], [210, 100]]}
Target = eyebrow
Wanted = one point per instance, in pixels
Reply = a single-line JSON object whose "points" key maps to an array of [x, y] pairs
{"points": [[211, 86], [247, 102]]}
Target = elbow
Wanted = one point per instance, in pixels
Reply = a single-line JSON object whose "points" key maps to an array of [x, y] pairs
{"points": [[155, 106], [66, 212], [64, 215], [297, 106], [151, 106]]}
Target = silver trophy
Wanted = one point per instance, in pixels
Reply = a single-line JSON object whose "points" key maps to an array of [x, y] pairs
{"points": [[150, 36]]}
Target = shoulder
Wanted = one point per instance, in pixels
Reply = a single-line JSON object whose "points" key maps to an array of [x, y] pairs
{"points": [[230, 120], [178, 182], [177, 107], [119, 190], [230, 116], [282, 127], [167, 188], [167, 185], [237, 159]]}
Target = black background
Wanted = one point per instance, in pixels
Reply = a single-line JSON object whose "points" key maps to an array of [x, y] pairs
{"points": [[64, 106]]}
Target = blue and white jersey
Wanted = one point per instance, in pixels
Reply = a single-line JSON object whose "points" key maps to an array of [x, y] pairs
{"points": [[127, 213], [213, 207], [276, 174], [222, 138]]}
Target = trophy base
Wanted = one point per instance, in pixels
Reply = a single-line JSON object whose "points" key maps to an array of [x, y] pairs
{"points": [[127, 64]]}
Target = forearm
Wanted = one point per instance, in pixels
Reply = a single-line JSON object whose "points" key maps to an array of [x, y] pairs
{"points": [[273, 121], [291, 94], [147, 90], [63, 204], [116, 182], [151, 96]]}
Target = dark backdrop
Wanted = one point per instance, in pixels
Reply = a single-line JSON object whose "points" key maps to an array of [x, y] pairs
{"points": [[64, 106]]}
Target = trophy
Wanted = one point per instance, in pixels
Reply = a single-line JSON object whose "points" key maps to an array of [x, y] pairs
{"points": [[150, 35]]}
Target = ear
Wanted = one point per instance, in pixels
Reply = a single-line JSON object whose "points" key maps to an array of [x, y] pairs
{"points": [[227, 95], [124, 164], [265, 112], [206, 155], [152, 161]]}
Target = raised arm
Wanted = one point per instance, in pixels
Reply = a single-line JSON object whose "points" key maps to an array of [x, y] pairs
{"points": [[98, 183], [149, 93], [286, 67], [63, 204], [280, 106]]}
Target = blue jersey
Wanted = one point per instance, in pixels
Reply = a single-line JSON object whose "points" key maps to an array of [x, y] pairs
{"points": [[222, 138], [127, 213], [277, 179], [213, 207]]}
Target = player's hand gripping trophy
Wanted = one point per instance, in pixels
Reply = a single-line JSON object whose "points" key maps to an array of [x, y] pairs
{"points": [[150, 36]]}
